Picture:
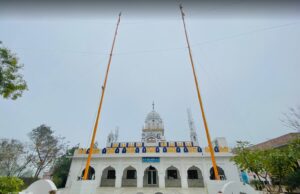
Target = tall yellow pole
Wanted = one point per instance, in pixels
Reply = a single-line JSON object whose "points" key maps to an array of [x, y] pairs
{"points": [[100, 105], [200, 100]]}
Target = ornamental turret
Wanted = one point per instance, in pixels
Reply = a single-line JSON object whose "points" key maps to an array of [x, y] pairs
{"points": [[153, 129]]}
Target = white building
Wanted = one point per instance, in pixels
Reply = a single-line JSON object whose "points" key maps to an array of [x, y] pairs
{"points": [[151, 165]]}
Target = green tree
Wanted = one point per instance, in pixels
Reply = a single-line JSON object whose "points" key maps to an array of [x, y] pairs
{"points": [[292, 180], [61, 167], [46, 146], [277, 163], [294, 147], [12, 83], [249, 159], [10, 184]]}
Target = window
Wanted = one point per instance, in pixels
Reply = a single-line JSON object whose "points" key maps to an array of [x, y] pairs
{"points": [[111, 174], [151, 140], [131, 174], [172, 174], [192, 174]]}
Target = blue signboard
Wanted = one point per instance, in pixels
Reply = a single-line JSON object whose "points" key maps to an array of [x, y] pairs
{"points": [[151, 159]]}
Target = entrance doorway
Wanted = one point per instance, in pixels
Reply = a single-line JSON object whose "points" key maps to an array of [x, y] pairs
{"points": [[150, 177]]}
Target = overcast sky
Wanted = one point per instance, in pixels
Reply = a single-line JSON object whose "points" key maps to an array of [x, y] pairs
{"points": [[248, 69]]}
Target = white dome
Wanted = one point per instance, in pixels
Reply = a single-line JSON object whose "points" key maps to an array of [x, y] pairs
{"points": [[153, 121], [153, 116]]}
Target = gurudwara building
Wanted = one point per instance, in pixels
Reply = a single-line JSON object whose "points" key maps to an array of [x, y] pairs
{"points": [[152, 164], [155, 165]]}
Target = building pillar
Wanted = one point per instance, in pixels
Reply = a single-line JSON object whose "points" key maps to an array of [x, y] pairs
{"points": [[205, 172], [98, 177], [98, 174], [184, 181], [140, 178], [118, 179], [161, 177]]}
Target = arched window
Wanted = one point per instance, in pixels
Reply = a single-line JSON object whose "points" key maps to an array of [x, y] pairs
{"points": [[195, 178], [108, 178], [172, 177], [220, 172], [91, 173], [129, 178]]}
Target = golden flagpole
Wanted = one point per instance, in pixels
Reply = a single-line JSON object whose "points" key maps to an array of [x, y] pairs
{"points": [[200, 99], [100, 105]]}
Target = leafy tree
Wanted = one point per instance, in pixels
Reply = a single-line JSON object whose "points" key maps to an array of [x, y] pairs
{"points": [[277, 163], [292, 180], [61, 167], [10, 184], [14, 158], [249, 159], [47, 147], [257, 184], [294, 147], [12, 84]]}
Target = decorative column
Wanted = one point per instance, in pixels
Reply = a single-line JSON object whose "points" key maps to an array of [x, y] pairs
{"points": [[205, 172], [183, 175], [140, 176], [99, 176], [161, 177], [118, 179]]}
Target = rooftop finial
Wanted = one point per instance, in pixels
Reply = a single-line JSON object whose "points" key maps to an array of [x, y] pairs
{"points": [[153, 105]]}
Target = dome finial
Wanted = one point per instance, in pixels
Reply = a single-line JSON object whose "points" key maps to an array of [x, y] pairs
{"points": [[153, 105]]}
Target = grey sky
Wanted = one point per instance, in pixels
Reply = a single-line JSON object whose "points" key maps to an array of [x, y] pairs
{"points": [[248, 70]]}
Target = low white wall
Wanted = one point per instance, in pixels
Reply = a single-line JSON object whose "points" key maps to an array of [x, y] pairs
{"points": [[229, 187], [233, 187], [84, 187], [214, 186], [40, 187]]}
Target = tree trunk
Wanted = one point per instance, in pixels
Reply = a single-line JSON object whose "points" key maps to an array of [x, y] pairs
{"points": [[37, 172], [279, 186]]}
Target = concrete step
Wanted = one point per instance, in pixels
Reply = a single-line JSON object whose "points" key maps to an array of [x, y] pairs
{"points": [[131, 190]]}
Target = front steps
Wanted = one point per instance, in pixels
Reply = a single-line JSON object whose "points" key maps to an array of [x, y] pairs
{"points": [[134, 190]]}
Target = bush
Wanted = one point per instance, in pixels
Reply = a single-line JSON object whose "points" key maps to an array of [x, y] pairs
{"points": [[292, 181], [10, 184], [257, 184]]}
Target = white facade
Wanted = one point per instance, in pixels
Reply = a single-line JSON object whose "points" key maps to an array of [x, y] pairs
{"points": [[180, 161], [153, 164]]}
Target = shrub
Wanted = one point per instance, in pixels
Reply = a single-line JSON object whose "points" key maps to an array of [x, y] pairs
{"points": [[257, 184], [292, 181], [10, 184]]}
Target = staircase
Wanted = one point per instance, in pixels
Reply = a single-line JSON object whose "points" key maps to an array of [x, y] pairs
{"points": [[131, 190]]}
